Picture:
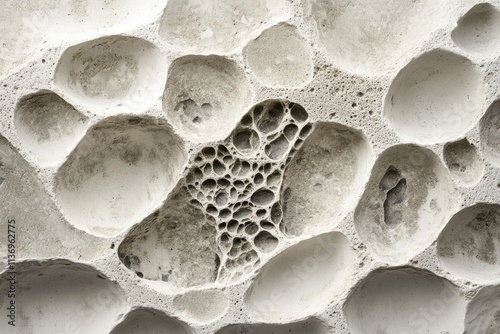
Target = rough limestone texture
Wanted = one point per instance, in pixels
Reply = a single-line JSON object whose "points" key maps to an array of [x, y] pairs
{"points": [[250, 167]]}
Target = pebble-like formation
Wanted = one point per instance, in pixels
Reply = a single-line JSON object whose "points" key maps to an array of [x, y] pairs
{"points": [[477, 32], [242, 167], [202, 306], [114, 74], [407, 201], [310, 326], [203, 93], [76, 19], [436, 98], [310, 273], [367, 38], [16, 48], [405, 300], [464, 161], [290, 65], [490, 136], [483, 313], [117, 154], [58, 296], [468, 246], [48, 126], [333, 157], [148, 321], [217, 26]]}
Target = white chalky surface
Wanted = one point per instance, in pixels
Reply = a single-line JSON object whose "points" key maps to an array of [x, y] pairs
{"points": [[244, 167]]}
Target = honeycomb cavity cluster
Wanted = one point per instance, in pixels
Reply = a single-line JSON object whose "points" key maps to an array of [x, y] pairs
{"points": [[231, 167]]}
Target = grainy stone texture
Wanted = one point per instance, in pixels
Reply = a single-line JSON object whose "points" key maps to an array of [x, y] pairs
{"points": [[268, 166]]}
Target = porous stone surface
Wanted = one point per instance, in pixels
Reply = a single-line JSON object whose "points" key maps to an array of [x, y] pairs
{"points": [[232, 167]]}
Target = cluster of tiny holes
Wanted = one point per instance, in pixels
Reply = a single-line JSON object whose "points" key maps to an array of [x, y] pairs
{"points": [[237, 184]]}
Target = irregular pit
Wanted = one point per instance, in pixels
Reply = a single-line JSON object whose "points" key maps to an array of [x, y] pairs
{"points": [[489, 134], [435, 98], [118, 174], [262, 197], [406, 203], [371, 38], [268, 117], [203, 93], [394, 187], [469, 245], [175, 245], [217, 27], [246, 141], [75, 19], [483, 312], [26, 201], [477, 32], [48, 126], [289, 66], [112, 74], [58, 296], [301, 280], [405, 300], [202, 307], [309, 326], [22, 32], [265, 242], [464, 162], [324, 179], [149, 321]]}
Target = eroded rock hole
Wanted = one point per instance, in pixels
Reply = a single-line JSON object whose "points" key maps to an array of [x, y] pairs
{"points": [[134, 120], [223, 183], [221, 198], [390, 179], [246, 120], [212, 210], [222, 151], [242, 213], [251, 228], [240, 168], [218, 167], [277, 148], [262, 197], [290, 131], [228, 159], [395, 203], [208, 185], [298, 112], [192, 111], [270, 120], [245, 140], [274, 179], [267, 225], [208, 152], [232, 225], [258, 178], [306, 130], [225, 213], [265, 242], [207, 169], [276, 213]]}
